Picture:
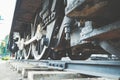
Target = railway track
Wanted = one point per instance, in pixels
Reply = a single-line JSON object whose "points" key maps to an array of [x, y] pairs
{"points": [[104, 68]]}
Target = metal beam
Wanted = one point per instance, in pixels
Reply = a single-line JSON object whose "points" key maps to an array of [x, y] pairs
{"points": [[105, 32], [109, 69], [95, 68]]}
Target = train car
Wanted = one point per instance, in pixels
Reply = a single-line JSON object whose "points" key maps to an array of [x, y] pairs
{"points": [[52, 29]]}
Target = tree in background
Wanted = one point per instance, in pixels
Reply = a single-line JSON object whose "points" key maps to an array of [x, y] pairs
{"points": [[3, 46]]}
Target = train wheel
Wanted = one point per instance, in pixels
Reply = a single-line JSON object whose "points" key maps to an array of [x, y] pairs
{"points": [[55, 55], [81, 56], [16, 55], [39, 51], [111, 46], [19, 55], [27, 50]]}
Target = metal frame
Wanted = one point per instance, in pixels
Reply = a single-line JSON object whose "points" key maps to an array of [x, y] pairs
{"points": [[104, 32], [94, 68]]}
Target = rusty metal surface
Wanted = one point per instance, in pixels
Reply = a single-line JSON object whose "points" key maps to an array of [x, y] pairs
{"points": [[26, 9], [104, 33], [84, 8], [100, 11], [24, 13]]}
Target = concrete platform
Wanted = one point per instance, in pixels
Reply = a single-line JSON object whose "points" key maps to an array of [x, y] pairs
{"points": [[28, 69], [19, 66], [52, 75]]}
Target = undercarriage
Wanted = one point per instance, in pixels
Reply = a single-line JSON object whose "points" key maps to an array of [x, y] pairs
{"points": [[52, 29]]}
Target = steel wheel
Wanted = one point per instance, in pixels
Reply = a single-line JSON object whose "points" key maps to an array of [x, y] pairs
{"points": [[79, 55], [82, 56], [111, 46], [39, 51], [19, 55], [56, 55], [27, 50]]}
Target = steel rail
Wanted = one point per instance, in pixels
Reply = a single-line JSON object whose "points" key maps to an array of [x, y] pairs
{"points": [[109, 69]]}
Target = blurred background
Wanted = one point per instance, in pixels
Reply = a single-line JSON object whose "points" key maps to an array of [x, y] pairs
{"points": [[6, 15]]}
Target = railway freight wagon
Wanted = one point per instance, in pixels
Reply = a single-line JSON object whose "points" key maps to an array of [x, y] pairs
{"points": [[53, 29]]}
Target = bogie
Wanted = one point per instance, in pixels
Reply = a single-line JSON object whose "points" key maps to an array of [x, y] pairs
{"points": [[65, 28]]}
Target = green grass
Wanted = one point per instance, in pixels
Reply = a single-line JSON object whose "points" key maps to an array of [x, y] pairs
{"points": [[5, 58]]}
